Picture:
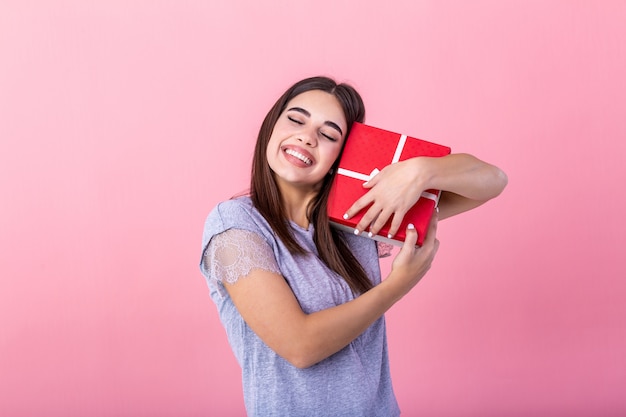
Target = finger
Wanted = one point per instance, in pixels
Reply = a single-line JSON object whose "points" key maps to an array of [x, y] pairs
{"points": [[380, 221], [371, 182], [396, 222], [370, 216], [411, 239], [358, 205]]}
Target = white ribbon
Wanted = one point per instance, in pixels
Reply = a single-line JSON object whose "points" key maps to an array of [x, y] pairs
{"points": [[357, 175], [401, 142], [363, 177], [396, 158], [430, 196]]}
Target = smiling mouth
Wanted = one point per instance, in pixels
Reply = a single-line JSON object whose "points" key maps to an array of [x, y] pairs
{"points": [[299, 156]]}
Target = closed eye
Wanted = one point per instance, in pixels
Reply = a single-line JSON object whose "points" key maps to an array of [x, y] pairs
{"points": [[300, 111], [295, 120]]}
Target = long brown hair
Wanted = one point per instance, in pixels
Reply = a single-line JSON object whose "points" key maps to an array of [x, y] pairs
{"points": [[265, 194]]}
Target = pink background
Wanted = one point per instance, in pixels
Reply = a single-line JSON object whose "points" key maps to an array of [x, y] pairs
{"points": [[123, 122]]}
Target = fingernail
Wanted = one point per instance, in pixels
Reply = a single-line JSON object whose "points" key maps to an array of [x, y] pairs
{"points": [[389, 236], [356, 232], [345, 216], [437, 209], [370, 234], [411, 227]]}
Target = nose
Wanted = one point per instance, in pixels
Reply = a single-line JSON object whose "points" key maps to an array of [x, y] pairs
{"points": [[308, 138]]}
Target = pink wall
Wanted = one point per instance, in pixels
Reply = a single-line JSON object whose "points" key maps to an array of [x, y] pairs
{"points": [[122, 124]]}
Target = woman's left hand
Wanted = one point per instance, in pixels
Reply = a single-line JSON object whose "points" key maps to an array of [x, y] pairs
{"points": [[466, 183], [392, 192]]}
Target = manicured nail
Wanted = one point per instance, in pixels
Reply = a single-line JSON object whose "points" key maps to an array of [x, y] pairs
{"points": [[437, 210], [389, 236], [345, 216], [356, 232], [370, 234], [411, 227]]}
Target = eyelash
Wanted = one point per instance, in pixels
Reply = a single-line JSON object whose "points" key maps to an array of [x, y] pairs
{"points": [[301, 123], [294, 120]]}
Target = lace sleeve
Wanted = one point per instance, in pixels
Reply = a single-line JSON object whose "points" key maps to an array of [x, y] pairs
{"points": [[233, 254]]}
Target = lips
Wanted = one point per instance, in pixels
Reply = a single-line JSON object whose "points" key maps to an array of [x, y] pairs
{"points": [[300, 155]]}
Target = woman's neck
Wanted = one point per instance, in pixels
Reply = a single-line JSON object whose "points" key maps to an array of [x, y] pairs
{"points": [[296, 202]]}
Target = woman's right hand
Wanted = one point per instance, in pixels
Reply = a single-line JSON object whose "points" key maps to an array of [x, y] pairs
{"points": [[413, 262]]}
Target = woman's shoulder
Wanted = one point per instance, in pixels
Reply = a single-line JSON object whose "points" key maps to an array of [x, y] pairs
{"points": [[234, 211], [237, 206], [237, 213]]}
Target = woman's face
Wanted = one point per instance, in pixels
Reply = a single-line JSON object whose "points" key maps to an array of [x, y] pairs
{"points": [[307, 139]]}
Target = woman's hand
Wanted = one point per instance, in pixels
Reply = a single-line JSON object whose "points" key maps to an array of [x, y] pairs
{"points": [[392, 192], [466, 183], [413, 262]]}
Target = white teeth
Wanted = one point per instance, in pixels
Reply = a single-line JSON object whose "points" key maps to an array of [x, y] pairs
{"points": [[299, 156]]}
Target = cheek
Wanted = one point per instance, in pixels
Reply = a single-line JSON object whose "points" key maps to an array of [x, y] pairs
{"points": [[272, 146], [333, 153], [271, 156]]}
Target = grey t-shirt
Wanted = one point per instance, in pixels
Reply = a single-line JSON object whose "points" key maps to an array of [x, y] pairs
{"points": [[352, 382]]}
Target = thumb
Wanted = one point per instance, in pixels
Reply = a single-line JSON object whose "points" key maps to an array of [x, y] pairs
{"points": [[411, 238], [372, 181]]}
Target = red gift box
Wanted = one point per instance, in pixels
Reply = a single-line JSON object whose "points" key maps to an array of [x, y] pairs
{"points": [[368, 150]]}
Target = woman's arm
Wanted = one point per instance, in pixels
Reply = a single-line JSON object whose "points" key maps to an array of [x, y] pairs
{"points": [[466, 181], [269, 307]]}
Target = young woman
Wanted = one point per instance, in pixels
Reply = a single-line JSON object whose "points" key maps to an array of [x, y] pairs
{"points": [[301, 302]]}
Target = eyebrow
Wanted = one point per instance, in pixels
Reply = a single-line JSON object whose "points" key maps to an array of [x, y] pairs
{"points": [[308, 114]]}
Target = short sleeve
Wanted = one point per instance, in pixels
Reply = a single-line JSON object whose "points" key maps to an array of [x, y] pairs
{"points": [[234, 253]]}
